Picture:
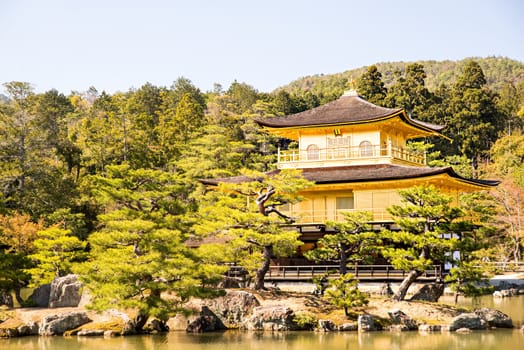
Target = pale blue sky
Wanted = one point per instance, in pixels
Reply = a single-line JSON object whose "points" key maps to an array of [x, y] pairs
{"points": [[117, 45]]}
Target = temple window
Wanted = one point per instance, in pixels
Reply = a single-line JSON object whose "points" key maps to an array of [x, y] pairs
{"points": [[338, 147], [313, 152], [366, 149], [345, 203]]}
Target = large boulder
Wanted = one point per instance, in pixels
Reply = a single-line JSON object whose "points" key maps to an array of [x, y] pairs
{"points": [[40, 296], [232, 309], [58, 324], [467, 320], [494, 318], [366, 323], [348, 327], [16, 328], [398, 317], [505, 293], [203, 324], [386, 290], [128, 324], [206, 322], [29, 328], [326, 326], [429, 292], [180, 322], [6, 298], [271, 318], [65, 291]]}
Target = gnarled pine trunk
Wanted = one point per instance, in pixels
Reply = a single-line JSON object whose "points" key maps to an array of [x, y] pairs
{"points": [[406, 283], [261, 272]]}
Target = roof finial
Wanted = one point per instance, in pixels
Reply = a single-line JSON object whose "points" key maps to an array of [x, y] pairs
{"points": [[351, 92], [352, 85]]}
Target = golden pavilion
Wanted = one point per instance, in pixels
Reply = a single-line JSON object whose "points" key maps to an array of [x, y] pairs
{"points": [[357, 155]]}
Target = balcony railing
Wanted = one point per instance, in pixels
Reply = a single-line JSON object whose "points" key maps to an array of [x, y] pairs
{"points": [[321, 216], [348, 156]]}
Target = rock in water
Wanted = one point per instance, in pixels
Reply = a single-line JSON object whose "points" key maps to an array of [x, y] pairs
{"points": [[58, 324], [495, 318], [400, 318], [467, 320], [366, 323], [271, 318]]}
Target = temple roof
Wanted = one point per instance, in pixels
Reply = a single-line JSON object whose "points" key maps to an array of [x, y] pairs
{"points": [[350, 108], [381, 172], [365, 173]]}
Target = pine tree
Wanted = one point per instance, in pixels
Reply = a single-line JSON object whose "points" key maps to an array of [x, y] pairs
{"points": [[139, 255], [344, 292], [353, 241], [424, 218], [56, 250], [246, 217]]}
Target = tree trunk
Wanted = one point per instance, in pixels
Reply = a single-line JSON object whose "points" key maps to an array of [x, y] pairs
{"points": [[18, 295], [406, 283], [343, 268], [140, 321], [261, 272]]}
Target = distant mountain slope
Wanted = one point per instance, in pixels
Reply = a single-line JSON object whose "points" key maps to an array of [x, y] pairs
{"points": [[497, 70]]}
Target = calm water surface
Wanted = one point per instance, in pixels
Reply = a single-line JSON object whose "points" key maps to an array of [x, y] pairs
{"points": [[233, 340]]}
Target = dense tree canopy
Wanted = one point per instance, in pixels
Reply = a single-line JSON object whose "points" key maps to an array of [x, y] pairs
{"points": [[139, 253], [95, 172]]}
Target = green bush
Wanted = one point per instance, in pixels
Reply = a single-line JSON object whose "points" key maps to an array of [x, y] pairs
{"points": [[305, 320]]}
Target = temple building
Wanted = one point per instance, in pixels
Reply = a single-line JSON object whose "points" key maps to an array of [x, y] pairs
{"points": [[357, 155]]}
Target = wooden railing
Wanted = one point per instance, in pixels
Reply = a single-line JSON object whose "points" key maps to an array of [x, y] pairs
{"points": [[296, 156], [507, 266], [321, 216], [361, 272]]}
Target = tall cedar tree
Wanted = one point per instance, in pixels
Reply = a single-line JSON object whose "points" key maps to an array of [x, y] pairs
{"points": [[409, 91], [371, 87], [473, 120]]}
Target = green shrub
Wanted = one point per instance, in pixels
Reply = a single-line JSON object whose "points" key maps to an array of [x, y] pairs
{"points": [[305, 320]]}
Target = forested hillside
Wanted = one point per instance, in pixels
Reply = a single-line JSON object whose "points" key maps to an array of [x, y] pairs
{"points": [[497, 70], [91, 180]]}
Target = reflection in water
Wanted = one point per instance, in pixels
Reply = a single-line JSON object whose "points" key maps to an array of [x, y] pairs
{"points": [[513, 306], [235, 340]]}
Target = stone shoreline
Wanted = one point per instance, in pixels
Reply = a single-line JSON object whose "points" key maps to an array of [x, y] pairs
{"points": [[267, 311], [274, 310]]}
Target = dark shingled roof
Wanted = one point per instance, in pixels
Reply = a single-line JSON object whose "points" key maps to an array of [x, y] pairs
{"points": [[348, 109], [380, 172], [364, 173]]}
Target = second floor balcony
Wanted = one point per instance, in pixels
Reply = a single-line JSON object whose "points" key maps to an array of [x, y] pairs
{"points": [[320, 216], [360, 155]]}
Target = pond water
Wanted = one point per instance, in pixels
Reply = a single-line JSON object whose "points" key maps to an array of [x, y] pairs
{"points": [[236, 340]]}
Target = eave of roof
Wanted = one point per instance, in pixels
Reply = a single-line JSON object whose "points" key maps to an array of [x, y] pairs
{"points": [[365, 173], [383, 172]]}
